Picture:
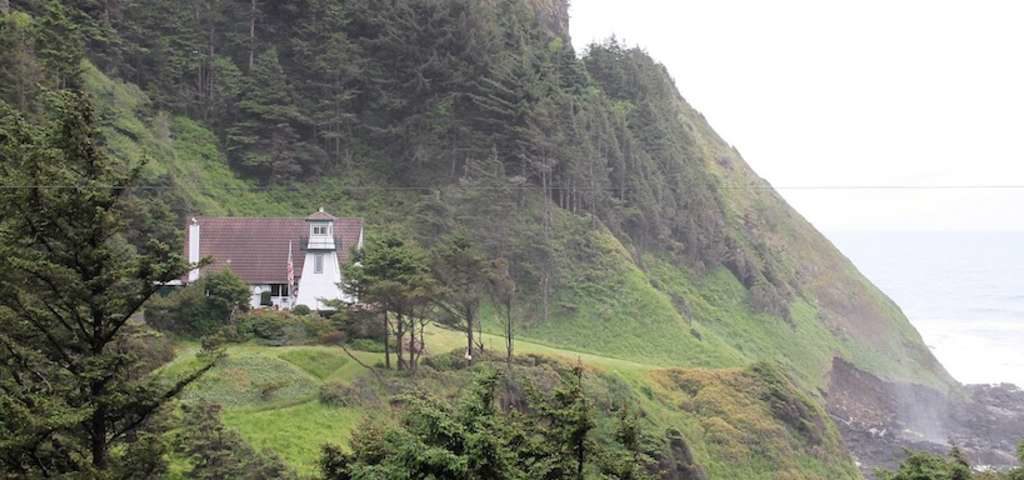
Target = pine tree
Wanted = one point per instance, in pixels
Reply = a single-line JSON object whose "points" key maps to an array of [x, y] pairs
{"points": [[60, 45], [72, 284], [217, 452], [462, 272], [265, 141], [393, 275], [20, 70], [570, 420]]}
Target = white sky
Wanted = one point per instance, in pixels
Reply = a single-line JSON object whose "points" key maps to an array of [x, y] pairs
{"points": [[872, 92]]}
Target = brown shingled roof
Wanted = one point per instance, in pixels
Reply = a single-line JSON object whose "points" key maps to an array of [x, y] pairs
{"points": [[256, 249], [321, 215]]}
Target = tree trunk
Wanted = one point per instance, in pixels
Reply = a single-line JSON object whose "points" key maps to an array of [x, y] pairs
{"points": [[209, 74], [98, 431], [469, 336], [508, 330], [479, 335], [5, 6], [399, 337], [412, 346], [252, 35], [387, 348], [423, 343]]}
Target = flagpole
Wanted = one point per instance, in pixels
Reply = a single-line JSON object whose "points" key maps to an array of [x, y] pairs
{"points": [[291, 278]]}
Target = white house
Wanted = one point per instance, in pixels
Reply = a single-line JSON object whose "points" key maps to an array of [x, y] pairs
{"points": [[299, 261]]}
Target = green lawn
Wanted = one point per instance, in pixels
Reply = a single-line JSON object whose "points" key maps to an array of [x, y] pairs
{"points": [[294, 424], [295, 432]]}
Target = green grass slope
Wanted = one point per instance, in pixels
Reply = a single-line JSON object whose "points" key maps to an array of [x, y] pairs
{"points": [[738, 422], [610, 298], [630, 314]]}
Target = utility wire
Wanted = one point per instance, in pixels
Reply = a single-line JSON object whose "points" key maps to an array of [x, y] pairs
{"points": [[524, 187]]}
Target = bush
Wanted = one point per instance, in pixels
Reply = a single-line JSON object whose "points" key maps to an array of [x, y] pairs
{"points": [[337, 395], [361, 392], [201, 308], [279, 327], [149, 348], [301, 310], [334, 337], [359, 323], [367, 345], [264, 324], [203, 437], [315, 327]]}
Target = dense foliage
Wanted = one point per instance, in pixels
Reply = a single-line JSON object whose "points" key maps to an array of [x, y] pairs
{"points": [[74, 400], [600, 194], [391, 276], [423, 94], [926, 466], [216, 452], [202, 308], [552, 439], [427, 116]]}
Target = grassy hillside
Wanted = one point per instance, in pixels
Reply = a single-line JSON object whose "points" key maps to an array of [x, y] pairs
{"points": [[680, 338], [738, 422], [641, 242]]}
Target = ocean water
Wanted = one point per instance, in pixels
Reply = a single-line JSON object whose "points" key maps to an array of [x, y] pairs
{"points": [[964, 291]]}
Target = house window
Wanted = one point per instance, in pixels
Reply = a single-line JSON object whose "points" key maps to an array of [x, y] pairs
{"points": [[319, 229], [279, 290], [318, 263]]}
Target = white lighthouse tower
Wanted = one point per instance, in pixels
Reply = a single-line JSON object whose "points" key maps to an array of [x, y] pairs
{"points": [[321, 271]]}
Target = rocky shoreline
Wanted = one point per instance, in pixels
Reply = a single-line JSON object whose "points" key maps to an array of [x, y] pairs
{"points": [[880, 420]]}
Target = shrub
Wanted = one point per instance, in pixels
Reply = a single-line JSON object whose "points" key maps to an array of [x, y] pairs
{"points": [[367, 345], [333, 337], [359, 323], [149, 348], [301, 310], [337, 395], [265, 325], [360, 392], [315, 326], [214, 451], [279, 327], [201, 308]]}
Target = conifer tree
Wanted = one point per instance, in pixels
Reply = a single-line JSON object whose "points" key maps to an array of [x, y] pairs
{"points": [[462, 272], [393, 276], [60, 45], [71, 284], [265, 140], [20, 70]]}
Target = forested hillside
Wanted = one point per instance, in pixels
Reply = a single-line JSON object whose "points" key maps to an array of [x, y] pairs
{"points": [[632, 230], [467, 112]]}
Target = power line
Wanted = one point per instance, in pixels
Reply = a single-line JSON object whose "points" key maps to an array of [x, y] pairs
{"points": [[899, 187], [293, 188]]}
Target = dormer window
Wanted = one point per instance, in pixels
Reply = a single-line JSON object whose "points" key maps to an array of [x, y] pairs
{"points": [[319, 229]]}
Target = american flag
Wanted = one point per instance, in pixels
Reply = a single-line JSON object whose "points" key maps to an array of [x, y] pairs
{"points": [[291, 271]]}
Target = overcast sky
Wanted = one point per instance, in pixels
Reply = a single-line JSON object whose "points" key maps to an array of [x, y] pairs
{"points": [[873, 92]]}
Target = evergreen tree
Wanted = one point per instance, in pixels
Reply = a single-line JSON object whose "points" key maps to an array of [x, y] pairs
{"points": [[265, 140], [925, 466], [503, 291], [21, 73], [72, 284], [216, 452], [462, 272], [571, 421], [393, 276], [60, 45]]}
